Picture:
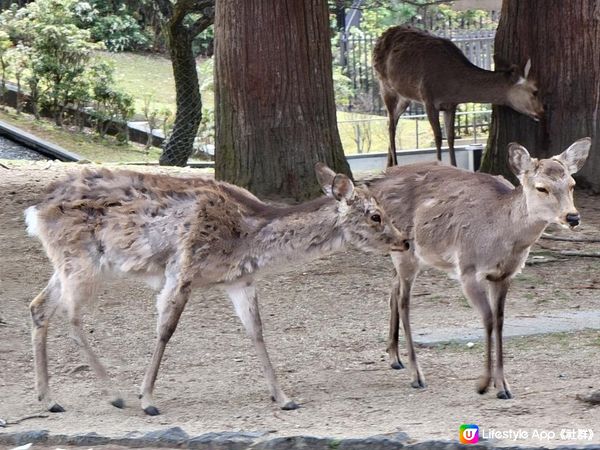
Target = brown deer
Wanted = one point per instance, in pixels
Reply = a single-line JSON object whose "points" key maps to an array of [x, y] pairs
{"points": [[412, 64], [477, 228], [178, 234]]}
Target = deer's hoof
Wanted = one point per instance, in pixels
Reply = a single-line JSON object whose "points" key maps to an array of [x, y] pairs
{"points": [[56, 408], [504, 395], [483, 385], [118, 403], [418, 384], [290, 406], [397, 365], [152, 411]]}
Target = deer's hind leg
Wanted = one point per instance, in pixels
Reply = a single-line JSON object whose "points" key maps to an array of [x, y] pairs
{"points": [[42, 309], [406, 272], [395, 105], [449, 115], [244, 299], [77, 290]]}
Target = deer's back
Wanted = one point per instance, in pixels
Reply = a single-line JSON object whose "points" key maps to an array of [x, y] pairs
{"points": [[132, 222], [409, 61], [447, 211]]}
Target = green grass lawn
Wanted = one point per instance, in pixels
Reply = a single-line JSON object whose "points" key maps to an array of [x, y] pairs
{"points": [[143, 75], [148, 75], [88, 145]]}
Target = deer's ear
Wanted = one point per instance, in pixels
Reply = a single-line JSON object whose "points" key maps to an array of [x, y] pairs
{"points": [[527, 68], [514, 74], [342, 188], [519, 159], [325, 176], [575, 156]]}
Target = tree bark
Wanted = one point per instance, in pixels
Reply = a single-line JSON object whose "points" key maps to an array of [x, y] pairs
{"points": [[180, 144], [274, 102], [562, 39]]}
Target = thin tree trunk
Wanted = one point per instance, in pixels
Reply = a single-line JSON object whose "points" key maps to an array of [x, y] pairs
{"points": [[562, 39], [179, 146], [274, 103]]}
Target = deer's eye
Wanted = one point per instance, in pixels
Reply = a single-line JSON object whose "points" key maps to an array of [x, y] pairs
{"points": [[543, 190], [376, 218], [535, 93]]}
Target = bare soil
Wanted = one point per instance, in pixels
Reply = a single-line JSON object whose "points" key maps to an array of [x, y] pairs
{"points": [[325, 327]]}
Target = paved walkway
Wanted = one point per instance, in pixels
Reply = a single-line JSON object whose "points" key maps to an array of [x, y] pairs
{"points": [[554, 322]]}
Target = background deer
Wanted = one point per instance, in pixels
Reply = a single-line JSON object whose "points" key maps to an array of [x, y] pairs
{"points": [[478, 228], [414, 65], [179, 234]]}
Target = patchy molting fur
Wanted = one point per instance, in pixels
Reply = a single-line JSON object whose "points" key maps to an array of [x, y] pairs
{"points": [[180, 233], [477, 228]]}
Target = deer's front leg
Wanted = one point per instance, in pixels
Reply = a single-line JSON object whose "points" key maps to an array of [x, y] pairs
{"points": [[244, 299], [475, 291], [170, 304], [498, 291], [392, 347]]}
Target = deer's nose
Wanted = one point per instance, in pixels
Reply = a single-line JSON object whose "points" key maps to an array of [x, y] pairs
{"points": [[573, 219], [404, 245]]}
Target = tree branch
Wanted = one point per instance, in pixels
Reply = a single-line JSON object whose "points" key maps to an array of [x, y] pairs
{"points": [[568, 239], [202, 24]]}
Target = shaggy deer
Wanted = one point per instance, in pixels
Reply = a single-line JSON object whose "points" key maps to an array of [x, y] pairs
{"points": [[414, 65], [478, 228], [178, 234]]}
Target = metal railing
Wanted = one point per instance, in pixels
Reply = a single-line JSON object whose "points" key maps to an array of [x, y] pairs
{"points": [[355, 52], [363, 134]]}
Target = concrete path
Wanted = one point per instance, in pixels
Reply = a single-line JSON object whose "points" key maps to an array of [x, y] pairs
{"points": [[552, 322]]}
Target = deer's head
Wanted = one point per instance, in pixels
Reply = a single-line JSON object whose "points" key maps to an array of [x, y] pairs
{"points": [[365, 223], [522, 95], [548, 184]]}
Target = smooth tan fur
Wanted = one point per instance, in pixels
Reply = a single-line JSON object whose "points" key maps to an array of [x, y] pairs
{"points": [[179, 234], [412, 64], [477, 228]]}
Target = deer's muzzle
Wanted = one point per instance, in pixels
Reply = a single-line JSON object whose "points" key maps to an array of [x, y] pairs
{"points": [[573, 219]]}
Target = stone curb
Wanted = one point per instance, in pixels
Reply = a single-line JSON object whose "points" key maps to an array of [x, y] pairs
{"points": [[177, 438]]}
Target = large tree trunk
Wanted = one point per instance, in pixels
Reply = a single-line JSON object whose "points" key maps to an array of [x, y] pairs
{"points": [[274, 103], [562, 39]]}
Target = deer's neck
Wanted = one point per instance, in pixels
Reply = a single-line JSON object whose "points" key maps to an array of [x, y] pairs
{"points": [[313, 230], [525, 226], [482, 86]]}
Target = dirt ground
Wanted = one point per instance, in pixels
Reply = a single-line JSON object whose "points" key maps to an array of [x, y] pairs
{"points": [[325, 327]]}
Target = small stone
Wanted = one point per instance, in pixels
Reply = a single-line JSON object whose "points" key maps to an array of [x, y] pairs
{"points": [[470, 345]]}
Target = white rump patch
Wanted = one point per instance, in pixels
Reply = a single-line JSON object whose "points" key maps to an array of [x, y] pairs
{"points": [[31, 219]]}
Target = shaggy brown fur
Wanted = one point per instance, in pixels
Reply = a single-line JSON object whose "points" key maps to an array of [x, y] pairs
{"points": [[181, 233]]}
